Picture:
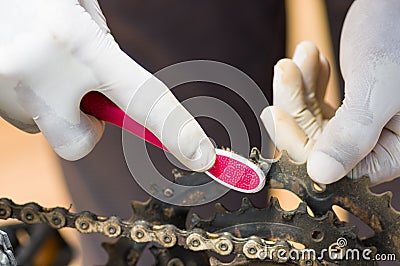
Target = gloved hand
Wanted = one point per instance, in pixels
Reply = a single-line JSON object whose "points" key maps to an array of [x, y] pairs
{"points": [[363, 136], [298, 114], [54, 52]]}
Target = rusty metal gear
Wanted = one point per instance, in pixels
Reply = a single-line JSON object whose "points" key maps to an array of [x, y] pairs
{"points": [[250, 236], [178, 256], [352, 195], [123, 252], [275, 224]]}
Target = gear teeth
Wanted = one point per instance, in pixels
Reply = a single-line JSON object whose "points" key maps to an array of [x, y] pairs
{"points": [[239, 260], [123, 252], [364, 182], [140, 206], [387, 196], [275, 203], [246, 204], [302, 208], [195, 219], [299, 211], [157, 212], [177, 256], [374, 210]]}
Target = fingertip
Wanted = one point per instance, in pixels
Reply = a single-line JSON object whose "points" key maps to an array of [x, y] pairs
{"points": [[287, 84], [304, 49], [286, 71], [324, 169], [201, 159], [190, 145]]}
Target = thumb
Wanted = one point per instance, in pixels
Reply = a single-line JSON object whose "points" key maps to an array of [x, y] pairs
{"points": [[347, 138]]}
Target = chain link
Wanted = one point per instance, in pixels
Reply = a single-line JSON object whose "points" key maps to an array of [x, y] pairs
{"points": [[141, 231]]}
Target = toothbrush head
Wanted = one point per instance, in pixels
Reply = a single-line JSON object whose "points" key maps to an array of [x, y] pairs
{"points": [[236, 172]]}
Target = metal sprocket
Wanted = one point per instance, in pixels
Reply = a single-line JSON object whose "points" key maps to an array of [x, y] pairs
{"points": [[275, 224]]}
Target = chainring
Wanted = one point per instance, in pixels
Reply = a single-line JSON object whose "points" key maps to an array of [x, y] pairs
{"points": [[352, 195], [249, 235], [275, 224]]}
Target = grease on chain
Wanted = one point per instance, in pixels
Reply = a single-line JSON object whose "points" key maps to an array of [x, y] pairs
{"points": [[141, 231]]}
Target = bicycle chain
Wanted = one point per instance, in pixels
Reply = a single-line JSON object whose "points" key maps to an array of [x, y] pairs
{"points": [[141, 231]]}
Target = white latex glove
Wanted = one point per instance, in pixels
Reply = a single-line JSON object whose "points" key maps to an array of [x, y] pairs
{"points": [[298, 114], [364, 134], [53, 52]]}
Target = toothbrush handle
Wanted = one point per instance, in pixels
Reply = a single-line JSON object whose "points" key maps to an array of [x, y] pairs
{"points": [[99, 106]]}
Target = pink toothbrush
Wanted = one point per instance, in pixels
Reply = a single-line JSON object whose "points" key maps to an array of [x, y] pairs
{"points": [[229, 169]]}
